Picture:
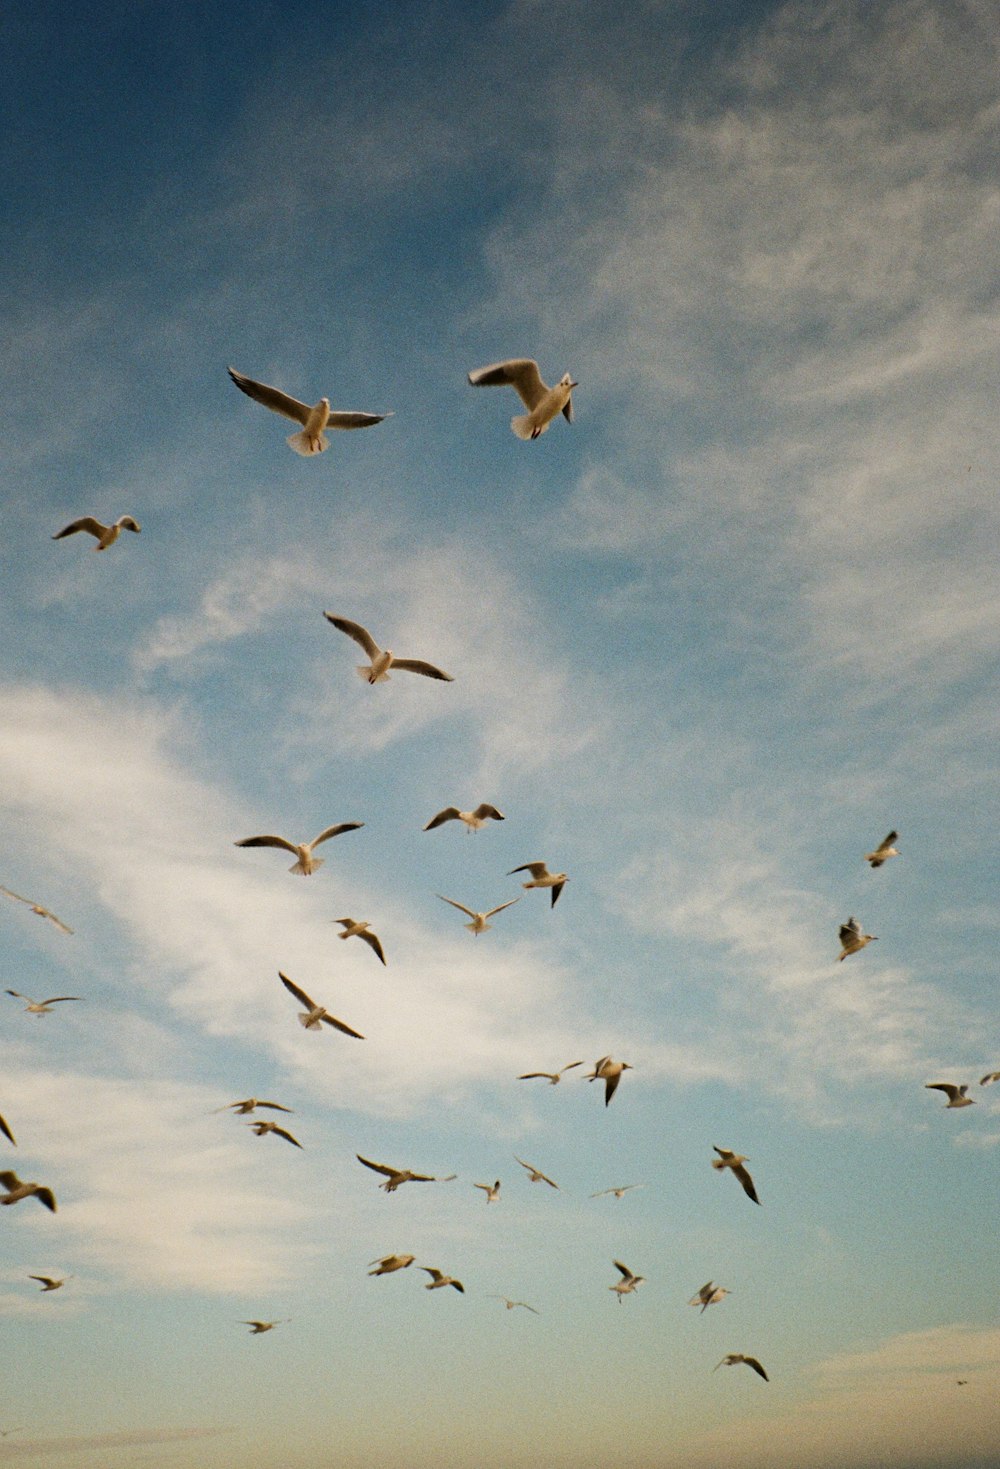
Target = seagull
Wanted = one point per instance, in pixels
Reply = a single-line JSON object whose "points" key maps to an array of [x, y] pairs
{"points": [[537, 1176], [735, 1161], [610, 1072], [628, 1282], [6, 1131], [396, 1176], [305, 862], [37, 908], [317, 1015], [883, 851], [473, 819], [491, 1190], [511, 1304], [852, 938], [16, 1190], [618, 1192], [541, 877], [957, 1095], [543, 403], [388, 1263], [259, 1326], [709, 1295], [355, 929], [249, 1104], [990, 1076], [260, 1128], [552, 1077], [41, 1007], [479, 923], [49, 1282], [438, 1280], [314, 420], [377, 671], [732, 1359], [106, 534]]}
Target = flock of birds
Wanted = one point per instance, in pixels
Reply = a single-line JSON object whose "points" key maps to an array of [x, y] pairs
{"points": [[543, 404]]}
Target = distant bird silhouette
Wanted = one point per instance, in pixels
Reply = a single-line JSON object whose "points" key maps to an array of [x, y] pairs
{"points": [[262, 1128], [709, 1295], [491, 1190], [388, 1263], [16, 1191], [511, 1304], [49, 1282], [535, 1174], [629, 1282], [41, 1007], [618, 1192], [249, 1104], [259, 1326], [37, 908], [552, 1077], [473, 819], [438, 1280], [733, 1359], [883, 851]]}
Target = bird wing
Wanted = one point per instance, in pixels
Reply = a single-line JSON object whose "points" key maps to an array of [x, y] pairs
{"points": [[88, 523], [450, 813], [58, 999], [267, 841], [989, 1077], [501, 907], [569, 1066], [752, 1362], [128, 522], [18, 897], [10, 1181], [431, 1271], [944, 1086], [6, 1131], [625, 1271], [417, 665], [611, 1086], [272, 398], [458, 1286], [557, 889], [484, 812], [47, 1197], [339, 1025], [335, 831], [537, 869], [849, 930], [520, 373], [460, 906], [354, 420], [354, 630], [548, 1075], [286, 1135], [372, 940], [747, 1182], [277, 1107], [44, 913], [378, 1168], [293, 989]]}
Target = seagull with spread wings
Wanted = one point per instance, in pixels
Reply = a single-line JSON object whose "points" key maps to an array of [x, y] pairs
{"points": [[479, 922], [542, 402], [618, 1192], [883, 851], [262, 1128], [316, 1015], [314, 420], [552, 1077], [438, 1279], [511, 1304], [853, 939], [735, 1161], [610, 1072], [41, 1007], [541, 877], [710, 1294], [16, 1191], [50, 1282], [629, 1281], [491, 1190], [388, 1263], [535, 1174], [474, 820], [396, 1176], [382, 659], [250, 1104], [106, 534], [37, 908], [958, 1096], [258, 1326], [733, 1359], [356, 928], [305, 862]]}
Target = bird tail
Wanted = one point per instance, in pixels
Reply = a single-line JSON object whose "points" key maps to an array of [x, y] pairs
{"points": [[718, 1163], [304, 1020], [364, 670], [523, 426], [303, 870], [302, 443], [474, 929]]}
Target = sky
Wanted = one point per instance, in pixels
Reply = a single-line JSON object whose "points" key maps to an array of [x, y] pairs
{"points": [[709, 643]]}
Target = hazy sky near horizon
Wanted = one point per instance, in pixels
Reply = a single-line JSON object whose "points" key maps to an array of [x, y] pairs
{"points": [[710, 642]]}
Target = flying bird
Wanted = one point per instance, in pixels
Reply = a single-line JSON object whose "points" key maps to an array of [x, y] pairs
{"points": [[305, 862], [106, 534], [479, 922], [249, 1104], [49, 1282], [709, 1295], [16, 1191], [388, 1263], [314, 420], [261, 1128], [541, 877], [852, 938], [491, 1190], [883, 851], [552, 1077], [382, 660], [473, 819], [6, 1131], [41, 1007], [37, 908], [610, 1072], [316, 1014], [990, 1077], [957, 1095], [628, 1282], [511, 1304], [735, 1161], [395, 1176], [618, 1192], [258, 1326], [536, 1174], [542, 402], [438, 1280], [355, 929], [733, 1359]]}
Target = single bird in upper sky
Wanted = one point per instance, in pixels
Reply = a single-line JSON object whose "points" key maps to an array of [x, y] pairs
{"points": [[305, 862], [4, 1128], [41, 1007], [473, 819], [438, 1280], [990, 1077], [37, 908], [511, 1304], [258, 1326], [316, 1015], [709, 1295], [733, 1359], [541, 877], [628, 1283], [262, 1128], [249, 1104], [552, 1077], [535, 1174], [618, 1192], [382, 660], [610, 1072], [106, 534], [50, 1282], [479, 923], [542, 402], [957, 1095], [397, 1176], [852, 938], [491, 1190], [883, 851], [388, 1263], [735, 1161], [355, 928], [16, 1190], [314, 420]]}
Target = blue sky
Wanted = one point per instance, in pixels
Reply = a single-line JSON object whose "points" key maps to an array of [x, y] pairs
{"points": [[710, 643]]}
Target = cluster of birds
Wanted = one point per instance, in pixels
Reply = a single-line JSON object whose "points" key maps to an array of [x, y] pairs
{"points": [[543, 404]]}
